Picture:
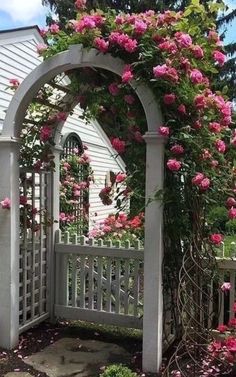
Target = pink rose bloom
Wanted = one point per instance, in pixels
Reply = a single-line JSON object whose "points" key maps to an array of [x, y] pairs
{"points": [[232, 213], [174, 165], [160, 70], [219, 57], [127, 74], [197, 179], [23, 200], [177, 149], [216, 238], [164, 131], [62, 216], [113, 89], [222, 328], [169, 98], [206, 154], [196, 76], [200, 101], [41, 47], [184, 40], [118, 145], [215, 127], [140, 27], [230, 202], [214, 163], [14, 82], [76, 193], [231, 344], [197, 125], [101, 44], [131, 45], [213, 36], [138, 137], [120, 177], [197, 52], [182, 109], [80, 4], [129, 99], [226, 286], [6, 203], [220, 146], [88, 22], [54, 28], [45, 133], [205, 183]]}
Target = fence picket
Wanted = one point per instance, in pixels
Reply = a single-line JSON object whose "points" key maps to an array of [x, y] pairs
{"points": [[91, 283], [74, 272], [99, 284], [82, 282], [117, 286], [126, 286]]}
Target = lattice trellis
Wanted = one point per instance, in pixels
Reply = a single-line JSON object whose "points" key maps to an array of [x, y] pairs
{"points": [[34, 249]]}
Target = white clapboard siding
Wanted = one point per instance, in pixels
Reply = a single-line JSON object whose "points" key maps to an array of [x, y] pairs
{"points": [[18, 57]]}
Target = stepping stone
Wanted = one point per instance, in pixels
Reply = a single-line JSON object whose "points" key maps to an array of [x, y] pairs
{"points": [[70, 357], [18, 374]]}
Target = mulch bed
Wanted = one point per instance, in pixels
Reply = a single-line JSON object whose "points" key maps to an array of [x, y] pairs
{"points": [[37, 338]]}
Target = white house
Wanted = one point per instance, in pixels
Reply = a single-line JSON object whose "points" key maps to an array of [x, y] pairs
{"points": [[18, 57]]}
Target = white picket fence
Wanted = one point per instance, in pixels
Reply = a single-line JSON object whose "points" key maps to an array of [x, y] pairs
{"points": [[99, 282]]}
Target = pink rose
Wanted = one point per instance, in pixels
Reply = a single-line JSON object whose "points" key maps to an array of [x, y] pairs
{"points": [[177, 149], [222, 328], [197, 125], [169, 98], [14, 82], [197, 52], [214, 163], [131, 45], [197, 179], [216, 238], [215, 127], [23, 200], [101, 44], [200, 101], [196, 76], [118, 145], [205, 183], [219, 57], [174, 165], [183, 39], [232, 213], [120, 177], [220, 146], [182, 109], [231, 202], [164, 71], [80, 4], [6, 203], [54, 28], [45, 133], [127, 74], [41, 47], [140, 27], [114, 89], [164, 131], [129, 99], [226, 286]]}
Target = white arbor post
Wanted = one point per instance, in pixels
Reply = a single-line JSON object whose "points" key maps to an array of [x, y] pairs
{"points": [[153, 292], [53, 195], [9, 243]]}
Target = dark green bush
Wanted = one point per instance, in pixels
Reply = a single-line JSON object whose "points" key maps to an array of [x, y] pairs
{"points": [[118, 371], [218, 218], [230, 227]]}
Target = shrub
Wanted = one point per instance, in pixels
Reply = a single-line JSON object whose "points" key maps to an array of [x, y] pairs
{"points": [[231, 227], [118, 371], [217, 218]]}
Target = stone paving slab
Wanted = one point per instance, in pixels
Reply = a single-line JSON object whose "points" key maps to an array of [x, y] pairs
{"points": [[71, 357]]}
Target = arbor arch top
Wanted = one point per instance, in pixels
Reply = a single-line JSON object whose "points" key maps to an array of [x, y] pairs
{"points": [[75, 57]]}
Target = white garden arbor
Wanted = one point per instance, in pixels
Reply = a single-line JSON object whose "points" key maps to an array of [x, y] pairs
{"points": [[78, 57]]}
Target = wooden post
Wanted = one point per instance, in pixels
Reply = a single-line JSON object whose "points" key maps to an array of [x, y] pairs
{"points": [[9, 243], [53, 200], [153, 256]]}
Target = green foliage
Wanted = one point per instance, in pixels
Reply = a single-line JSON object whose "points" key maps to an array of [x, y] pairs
{"points": [[118, 371], [218, 218], [230, 227]]}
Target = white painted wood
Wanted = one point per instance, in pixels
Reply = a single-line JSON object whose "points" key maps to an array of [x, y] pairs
{"points": [[9, 244], [98, 317], [153, 256]]}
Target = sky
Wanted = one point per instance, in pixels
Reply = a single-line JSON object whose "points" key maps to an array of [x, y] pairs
{"points": [[20, 13]]}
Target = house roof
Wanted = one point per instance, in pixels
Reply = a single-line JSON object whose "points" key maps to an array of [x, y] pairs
{"points": [[20, 28]]}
